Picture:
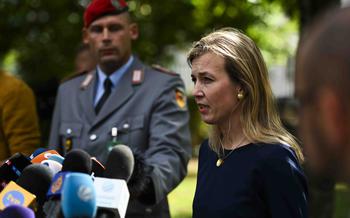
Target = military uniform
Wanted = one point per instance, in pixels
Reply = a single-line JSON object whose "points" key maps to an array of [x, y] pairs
{"points": [[19, 127], [148, 110]]}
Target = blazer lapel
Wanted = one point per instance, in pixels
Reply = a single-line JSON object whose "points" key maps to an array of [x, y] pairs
{"points": [[86, 97]]}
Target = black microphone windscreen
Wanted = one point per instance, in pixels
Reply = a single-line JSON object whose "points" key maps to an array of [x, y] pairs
{"points": [[11, 169], [120, 163], [36, 178], [77, 161]]}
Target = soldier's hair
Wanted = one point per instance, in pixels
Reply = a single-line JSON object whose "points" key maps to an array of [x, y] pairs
{"points": [[246, 67], [324, 52]]}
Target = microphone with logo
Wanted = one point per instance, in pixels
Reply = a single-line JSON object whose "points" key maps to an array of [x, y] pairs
{"points": [[50, 158], [14, 194], [12, 168], [37, 152], [78, 196], [112, 191], [36, 178], [17, 211], [75, 161]]}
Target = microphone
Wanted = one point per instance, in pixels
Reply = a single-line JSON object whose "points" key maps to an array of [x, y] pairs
{"points": [[112, 192], [56, 157], [12, 168], [15, 194], [77, 161], [120, 163], [37, 152], [36, 179], [54, 166], [44, 156], [52, 207], [17, 211], [78, 196], [49, 158]]}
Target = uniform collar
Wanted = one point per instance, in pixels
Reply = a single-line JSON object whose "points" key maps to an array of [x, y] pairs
{"points": [[116, 75]]}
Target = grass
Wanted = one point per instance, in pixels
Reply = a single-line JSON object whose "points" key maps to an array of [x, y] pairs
{"points": [[180, 199], [342, 202]]}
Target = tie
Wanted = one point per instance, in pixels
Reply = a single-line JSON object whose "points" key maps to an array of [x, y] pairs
{"points": [[107, 84]]}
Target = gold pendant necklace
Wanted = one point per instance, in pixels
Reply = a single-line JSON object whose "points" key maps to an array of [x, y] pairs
{"points": [[220, 160]]}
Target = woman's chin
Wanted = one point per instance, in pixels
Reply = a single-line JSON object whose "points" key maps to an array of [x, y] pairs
{"points": [[208, 120]]}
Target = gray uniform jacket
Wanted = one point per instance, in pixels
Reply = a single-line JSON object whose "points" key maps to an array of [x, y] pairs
{"points": [[146, 108]]}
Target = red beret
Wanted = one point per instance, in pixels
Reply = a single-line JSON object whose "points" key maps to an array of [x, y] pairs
{"points": [[99, 8]]}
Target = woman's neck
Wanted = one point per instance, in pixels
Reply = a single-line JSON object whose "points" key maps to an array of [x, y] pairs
{"points": [[232, 134]]}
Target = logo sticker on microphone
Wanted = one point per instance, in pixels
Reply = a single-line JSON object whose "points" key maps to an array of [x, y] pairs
{"points": [[13, 197], [107, 186], [85, 193], [57, 185]]}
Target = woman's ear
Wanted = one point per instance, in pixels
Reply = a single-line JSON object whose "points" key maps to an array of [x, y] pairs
{"points": [[239, 88]]}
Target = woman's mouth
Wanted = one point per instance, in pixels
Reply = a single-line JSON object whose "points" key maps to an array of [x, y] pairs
{"points": [[203, 109]]}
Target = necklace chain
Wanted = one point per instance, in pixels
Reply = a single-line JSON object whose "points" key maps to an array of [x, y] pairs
{"points": [[220, 160]]}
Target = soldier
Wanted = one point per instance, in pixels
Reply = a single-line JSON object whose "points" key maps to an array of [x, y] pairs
{"points": [[126, 101]]}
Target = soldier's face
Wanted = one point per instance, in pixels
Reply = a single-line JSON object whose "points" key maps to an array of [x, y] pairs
{"points": [[215, 94], [318, 130], [110, 38]]}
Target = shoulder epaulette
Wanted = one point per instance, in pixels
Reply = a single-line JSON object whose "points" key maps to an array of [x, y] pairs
{"points": [[164, 70], [72, 76]]}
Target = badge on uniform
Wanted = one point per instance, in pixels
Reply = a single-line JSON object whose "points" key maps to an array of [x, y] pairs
{"points": [[137, 77], [68, 145], [87, 81], [180, 98]]}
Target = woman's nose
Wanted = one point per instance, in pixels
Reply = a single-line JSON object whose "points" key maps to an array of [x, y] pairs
{"points": [[197, 91]]}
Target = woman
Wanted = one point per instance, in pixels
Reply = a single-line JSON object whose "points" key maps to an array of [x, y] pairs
{"points": [[250, 165]]}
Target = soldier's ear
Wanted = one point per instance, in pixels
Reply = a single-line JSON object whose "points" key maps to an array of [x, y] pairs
{"points": [[85, 35], [134, 31]]}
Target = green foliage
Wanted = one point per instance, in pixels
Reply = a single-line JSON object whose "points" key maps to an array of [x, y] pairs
{"points": [[276, 36], [45, 34], [187, 20]]}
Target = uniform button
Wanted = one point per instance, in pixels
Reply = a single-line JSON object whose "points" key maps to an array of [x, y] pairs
{"points": [[93, 137], [69, 131], [148, 210], [126, 126]]}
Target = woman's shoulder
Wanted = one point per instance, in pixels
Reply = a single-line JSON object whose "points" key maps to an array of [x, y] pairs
{"points": [[275, 151], [277, 158]]}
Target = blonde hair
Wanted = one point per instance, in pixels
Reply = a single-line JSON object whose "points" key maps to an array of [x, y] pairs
{"points": [[246, 67]]}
